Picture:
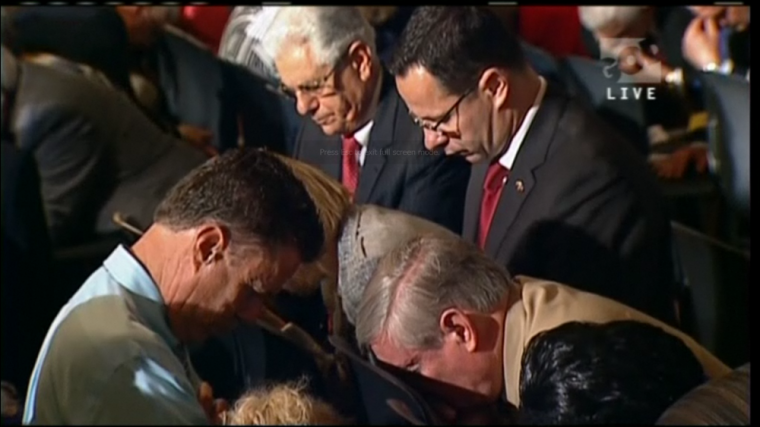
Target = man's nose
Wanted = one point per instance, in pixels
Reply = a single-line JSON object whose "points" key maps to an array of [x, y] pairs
{"points": [[434, 140], [306, 105]]}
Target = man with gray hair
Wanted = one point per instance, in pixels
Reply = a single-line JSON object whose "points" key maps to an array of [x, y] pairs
{"points": [[361, 133], [442, 309]]}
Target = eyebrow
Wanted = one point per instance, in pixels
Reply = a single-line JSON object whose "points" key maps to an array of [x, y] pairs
{"points": [[430, 118]]}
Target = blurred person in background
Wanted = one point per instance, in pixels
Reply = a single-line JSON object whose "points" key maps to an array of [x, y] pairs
{"points": [[98, 154], [717, 39], [242, 44], [614, 29]]}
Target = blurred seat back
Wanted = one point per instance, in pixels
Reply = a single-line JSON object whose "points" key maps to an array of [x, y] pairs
{"points": [[377, 387], [727, 100], [592, 82], [259, 107], [23, 216], [27, 295], [722, 401], [715, 280]]}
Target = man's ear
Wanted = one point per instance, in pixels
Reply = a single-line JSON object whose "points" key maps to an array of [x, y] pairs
{"points": [[495, 84], [360, 58], [211, 242], [457, 326]]}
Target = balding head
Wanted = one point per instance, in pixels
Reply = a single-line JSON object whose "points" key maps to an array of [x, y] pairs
{"points": [[436, 307], [417, 281], [369, 234]]}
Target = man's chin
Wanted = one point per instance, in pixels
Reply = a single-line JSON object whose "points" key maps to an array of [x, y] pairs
{"points": [[330, 127], [473, 158]]}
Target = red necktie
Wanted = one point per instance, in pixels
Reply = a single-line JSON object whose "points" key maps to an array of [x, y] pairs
{"points": [[350, 174], [496, 177]]}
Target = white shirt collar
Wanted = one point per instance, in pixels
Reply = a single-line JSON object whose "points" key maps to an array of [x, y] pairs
{"points": [[362, 135], [508, 159]]}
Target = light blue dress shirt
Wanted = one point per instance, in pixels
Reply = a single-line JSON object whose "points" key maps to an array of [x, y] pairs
{"points": [[111, 358]]}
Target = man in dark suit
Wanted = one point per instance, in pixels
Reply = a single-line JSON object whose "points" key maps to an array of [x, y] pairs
{"points": [[210, 101], [97, 153], [360, 131], [554, 193]]}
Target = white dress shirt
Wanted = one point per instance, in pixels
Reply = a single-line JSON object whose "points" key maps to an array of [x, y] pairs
{"points": [[508, 159], [362, 137]]}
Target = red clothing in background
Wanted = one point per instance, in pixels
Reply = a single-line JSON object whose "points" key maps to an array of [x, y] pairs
{"points": [[206, 23], [556, 29]]}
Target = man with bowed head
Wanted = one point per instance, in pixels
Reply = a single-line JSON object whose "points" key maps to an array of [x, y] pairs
{"points": [[442, 309], [554, 192], [356, 128], [231, 232]]}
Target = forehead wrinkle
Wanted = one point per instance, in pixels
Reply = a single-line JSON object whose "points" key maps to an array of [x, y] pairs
{"points": [[303, 67]]}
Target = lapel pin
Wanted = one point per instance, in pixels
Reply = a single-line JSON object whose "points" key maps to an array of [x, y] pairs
{"points": [[520, 186]]}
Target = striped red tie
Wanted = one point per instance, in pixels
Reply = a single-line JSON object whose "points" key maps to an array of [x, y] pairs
{"points": [[350, 172], [496, 177]]}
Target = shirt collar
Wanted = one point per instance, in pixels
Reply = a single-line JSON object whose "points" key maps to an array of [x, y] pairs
{"points": [[508, 159], [130, 274], [362, 135]]}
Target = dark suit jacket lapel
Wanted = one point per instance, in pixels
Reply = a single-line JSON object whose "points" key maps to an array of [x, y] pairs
{"points": [[522, 180], [381, 137]]}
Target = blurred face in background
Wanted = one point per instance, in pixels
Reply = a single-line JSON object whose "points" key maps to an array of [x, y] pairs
{"points": [[728, 16], [145, 23]]}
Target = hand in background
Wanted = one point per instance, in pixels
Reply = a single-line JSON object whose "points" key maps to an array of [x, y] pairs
{"points": [[198, 137], [214, 408], [675, 165], [701, 42]]}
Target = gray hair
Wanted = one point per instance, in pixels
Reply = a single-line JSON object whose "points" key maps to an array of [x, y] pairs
{"points": [[242, 39], [368, 233], [595, 18], [328, 30], [416, 282]]}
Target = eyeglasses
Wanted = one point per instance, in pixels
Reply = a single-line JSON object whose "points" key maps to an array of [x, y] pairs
{"points": [[446, 116], [318, 87]]}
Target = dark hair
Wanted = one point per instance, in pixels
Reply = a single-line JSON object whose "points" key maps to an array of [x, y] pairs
{"points": [[623, 372], [456, 44], [254, 194]]}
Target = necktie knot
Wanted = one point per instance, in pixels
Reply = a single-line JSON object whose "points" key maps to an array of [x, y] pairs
{"points": [[351, 145], [496, 177]]}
